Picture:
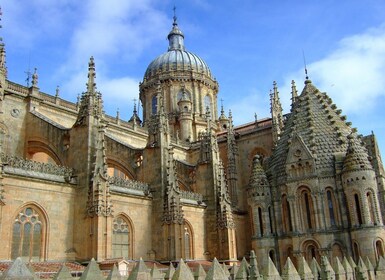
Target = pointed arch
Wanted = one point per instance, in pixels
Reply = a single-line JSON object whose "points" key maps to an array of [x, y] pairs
{"points": [[188, 239], [30, 233], [117, 169], [122, 237]]}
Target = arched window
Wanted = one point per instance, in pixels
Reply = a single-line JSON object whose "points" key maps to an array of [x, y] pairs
{"points": [[369, 198], [310, 249], [286, 215], [356, 251], [207, 104], [358, 209], [188, 241], [337, 251], [260, 221], [154, 105], [118, 170], [272, 256], [379, 249], [122, 238], [28, 235], [330, 207], [307, 209], [271, 220]]}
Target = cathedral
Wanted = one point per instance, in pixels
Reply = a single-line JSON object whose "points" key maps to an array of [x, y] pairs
{"points": [[181, 181]]}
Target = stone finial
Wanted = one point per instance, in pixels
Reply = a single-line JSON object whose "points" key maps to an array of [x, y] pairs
{"points": [[361, 270], [327, 271], [63, 274], [254, 271], [215, 272], [289, 272], [200, 273], [233, 271], [183, 272], [339, 269], [242, 271], [294, 93], [380, 268], [315, 268], [271, 271], [226, 270], [370, 268], [18, 270], [156, 274], [92, 272], [170, 272], [304, 270], [353, 265], [140, 272], [348, 269], [114, 274]]}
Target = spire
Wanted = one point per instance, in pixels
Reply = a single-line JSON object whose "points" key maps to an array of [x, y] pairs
{"points": [[3, 68], [276, 113], [91, 103], [135, 118], [91, 85], [294, 93], [175, 37]]}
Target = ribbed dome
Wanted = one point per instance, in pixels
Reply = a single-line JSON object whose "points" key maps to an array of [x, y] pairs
{"points": [[177, 58]]}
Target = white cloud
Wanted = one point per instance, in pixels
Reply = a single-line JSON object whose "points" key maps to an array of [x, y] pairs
{"points": [[352, 74]]}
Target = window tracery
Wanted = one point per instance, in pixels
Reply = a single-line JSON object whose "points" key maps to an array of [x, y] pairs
{"points": [[27, 235]]}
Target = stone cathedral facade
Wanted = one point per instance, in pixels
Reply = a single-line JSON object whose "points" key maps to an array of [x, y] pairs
{"points": [[181, 181]]}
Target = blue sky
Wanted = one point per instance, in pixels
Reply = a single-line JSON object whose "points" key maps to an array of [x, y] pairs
{"points": [[247, 44]]}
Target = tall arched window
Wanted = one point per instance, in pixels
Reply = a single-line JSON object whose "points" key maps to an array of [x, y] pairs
{"points": [[28, 235], [307, 209], [154, 105], [271, 220], [358, 209], [122, 238], [207, 104], [188, 241], [260, 221], [330, 206], [286, 215], [379, 249], [369, 198], [356, 251], [337, 251]]}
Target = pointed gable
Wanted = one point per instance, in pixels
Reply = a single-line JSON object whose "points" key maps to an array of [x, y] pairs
{"points": [[318, 123], [299, 161]]}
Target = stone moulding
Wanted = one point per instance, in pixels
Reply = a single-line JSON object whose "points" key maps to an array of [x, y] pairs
{"points": [[191, 196], [48, 171]]}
